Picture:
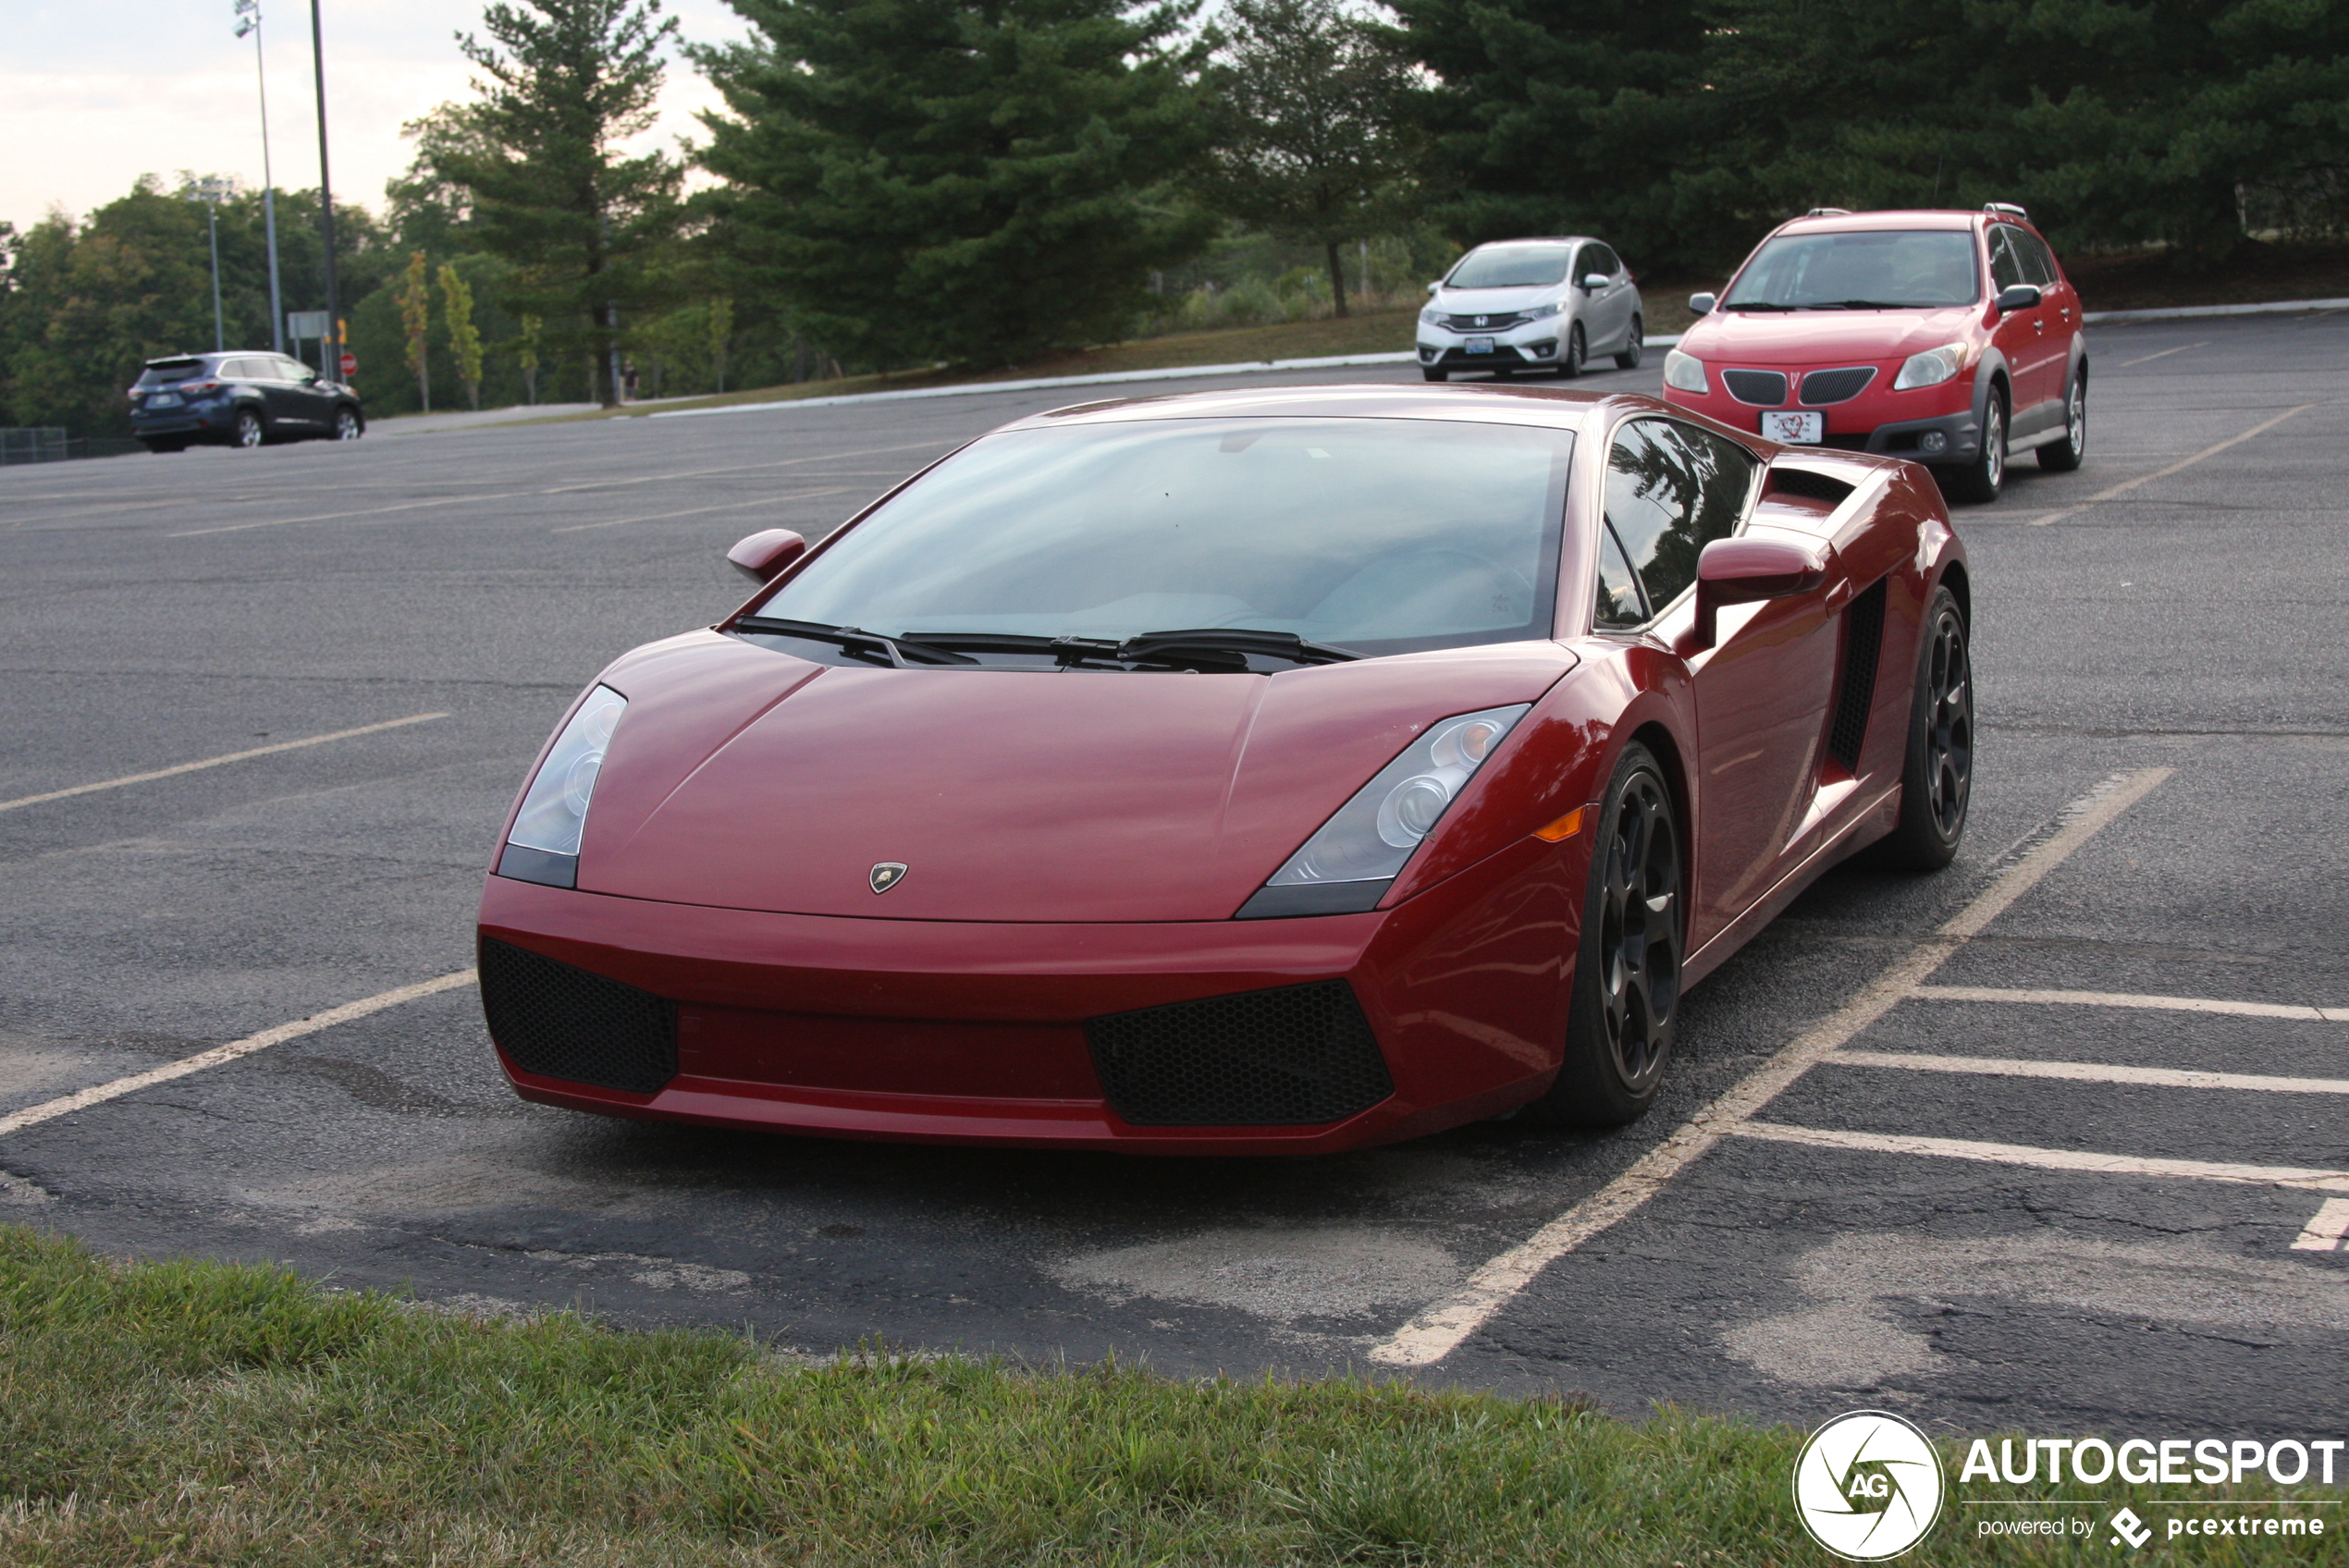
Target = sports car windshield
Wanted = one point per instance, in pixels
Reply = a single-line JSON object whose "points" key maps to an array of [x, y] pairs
{"points": [[1882, 269], [1373, 535], [1512, 266]]}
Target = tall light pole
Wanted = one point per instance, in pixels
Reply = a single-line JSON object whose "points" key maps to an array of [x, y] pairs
{"points": [[332, 352], [248, 22], [210, 190]]}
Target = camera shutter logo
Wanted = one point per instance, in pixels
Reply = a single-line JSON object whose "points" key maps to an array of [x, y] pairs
{"points": [[1868, 1486]]}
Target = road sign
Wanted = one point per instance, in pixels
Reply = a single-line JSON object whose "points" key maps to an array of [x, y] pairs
{"points": [[350, 364], [306, 324]]}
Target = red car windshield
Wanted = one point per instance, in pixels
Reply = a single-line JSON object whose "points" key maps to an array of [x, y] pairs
{"points": [[1374, 535], [1878, 269]]}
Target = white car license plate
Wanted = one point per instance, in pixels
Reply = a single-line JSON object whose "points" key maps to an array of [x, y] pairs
{"points": [[164, 400], [1794, 429], [1478, 346]]}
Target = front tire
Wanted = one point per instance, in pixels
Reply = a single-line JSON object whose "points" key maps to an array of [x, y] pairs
{"points": [[1627, 967], [1981, 480], [1936, 778], [2062, 456], [1634, 349], [1577, 350], [248, 432], [347, 425]]}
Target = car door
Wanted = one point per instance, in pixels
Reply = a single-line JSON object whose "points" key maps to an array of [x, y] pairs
{"points": [[2060, 307], [316, 404], [1761, 690], [2021, 336], [1608, 312]]}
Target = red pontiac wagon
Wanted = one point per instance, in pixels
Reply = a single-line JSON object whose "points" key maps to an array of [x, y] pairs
{"points": [[1951, 339]]}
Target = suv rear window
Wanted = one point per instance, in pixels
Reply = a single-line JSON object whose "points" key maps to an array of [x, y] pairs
{"points": [[167, 373], [1883, 269]]}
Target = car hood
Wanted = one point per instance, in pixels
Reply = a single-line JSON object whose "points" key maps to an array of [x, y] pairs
{"points": [[1493, 302], [1810, 337], [750, 779]]}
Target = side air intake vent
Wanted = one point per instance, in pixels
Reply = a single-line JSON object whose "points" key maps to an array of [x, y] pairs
{"points": [[1862, 645], [1297, 1056], [1804, 481], [560, 1022]]}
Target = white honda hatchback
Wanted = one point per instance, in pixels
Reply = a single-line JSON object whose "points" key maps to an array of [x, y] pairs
{"points": [[1531, 304]]}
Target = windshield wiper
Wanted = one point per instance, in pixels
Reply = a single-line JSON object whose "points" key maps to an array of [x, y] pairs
{"points": [[1854, 305], [1759, 305], [900, 653], [1240, 640]]}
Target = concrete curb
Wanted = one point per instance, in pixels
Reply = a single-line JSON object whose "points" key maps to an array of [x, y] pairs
{"points": [[1103, 378], [2187, 312]]}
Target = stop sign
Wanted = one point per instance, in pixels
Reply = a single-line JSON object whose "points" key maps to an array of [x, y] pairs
{"points": [[349, 364]]}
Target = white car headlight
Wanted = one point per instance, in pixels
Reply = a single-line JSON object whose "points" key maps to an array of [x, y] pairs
{"points": [[1345, 867], [544, 845], [1685, 372], [1538, 311], [1432, 316], [1931, 368]]}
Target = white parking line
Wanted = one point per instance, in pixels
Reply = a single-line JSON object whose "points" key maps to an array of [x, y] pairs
{"points": [[2324, 1232], [49, 1111], [2148, 359], [2048, 1159], [2092, 1072], [2128, 484], [2126, 999], [1437, 1331], [219, 761]]}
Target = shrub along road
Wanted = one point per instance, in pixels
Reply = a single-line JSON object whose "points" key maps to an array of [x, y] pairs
{"points": [[2177, 618]]}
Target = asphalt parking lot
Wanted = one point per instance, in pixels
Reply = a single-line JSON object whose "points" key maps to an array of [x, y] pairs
{"points": [[1957, 1144]]}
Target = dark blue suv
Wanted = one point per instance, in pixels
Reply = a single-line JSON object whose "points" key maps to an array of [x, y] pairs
{"points": [[240, 400]]}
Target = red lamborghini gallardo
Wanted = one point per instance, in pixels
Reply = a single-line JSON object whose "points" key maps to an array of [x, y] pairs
{"points": [[1250, 772]]}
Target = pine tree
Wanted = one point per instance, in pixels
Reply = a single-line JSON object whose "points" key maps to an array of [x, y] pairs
{"points": [[563, 83], [975, 180], [1312, 133]]}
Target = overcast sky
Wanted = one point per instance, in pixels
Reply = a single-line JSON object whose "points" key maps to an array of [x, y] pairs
{"points": [[96, 93]]}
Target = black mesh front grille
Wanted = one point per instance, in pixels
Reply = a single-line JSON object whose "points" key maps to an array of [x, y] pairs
{"points": [[1836, 386], [1488, 322], [1863, 647], [1764, 388], [560, 1022], [1292, 1056]]}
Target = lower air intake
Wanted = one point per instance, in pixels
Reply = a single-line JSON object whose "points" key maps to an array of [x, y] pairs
{"points": [[1294, 1057], [559, 1022]]}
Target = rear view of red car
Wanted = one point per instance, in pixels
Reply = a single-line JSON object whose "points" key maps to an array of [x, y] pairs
{"points": [[1951, 339]]}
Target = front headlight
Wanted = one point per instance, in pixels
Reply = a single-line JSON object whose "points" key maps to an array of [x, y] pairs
{"points": [[544, 845], [1538, 311], [1684, 371], [1432, 316], [1345, 867], [1931, 368]]}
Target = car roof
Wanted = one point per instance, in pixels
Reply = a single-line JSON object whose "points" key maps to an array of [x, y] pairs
{"points": [[1859, 222], [1556, 407]]}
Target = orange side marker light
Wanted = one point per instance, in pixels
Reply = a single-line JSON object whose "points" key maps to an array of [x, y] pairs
{"points": [[1566, 827]]}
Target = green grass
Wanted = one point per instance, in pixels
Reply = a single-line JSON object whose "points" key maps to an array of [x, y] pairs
{"points": [[203, 1414]]}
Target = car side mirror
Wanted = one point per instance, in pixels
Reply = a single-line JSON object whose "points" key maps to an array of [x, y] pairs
{"points": [[1594, 281], [763, 555], [2021, 297], [1433, 287], [1701, 304], [1745, 572]]}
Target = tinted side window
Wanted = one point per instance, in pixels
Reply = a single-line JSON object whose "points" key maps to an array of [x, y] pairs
{"points": [[1618, 604], [290, 369], [1670, 491], [245, 370], [1598, 258], [2006, 268], [2038, 262]]}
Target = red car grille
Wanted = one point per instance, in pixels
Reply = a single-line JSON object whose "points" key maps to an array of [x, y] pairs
{"points": [[1764, 388], [1822, 386]]}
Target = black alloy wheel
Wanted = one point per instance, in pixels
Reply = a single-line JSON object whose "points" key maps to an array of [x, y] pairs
{"points": [[1627, 969], [347, 425], [248, 432], [1628, 359], [1577, 350], [1982, 479], [2062, 456], [1936, 778]]}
